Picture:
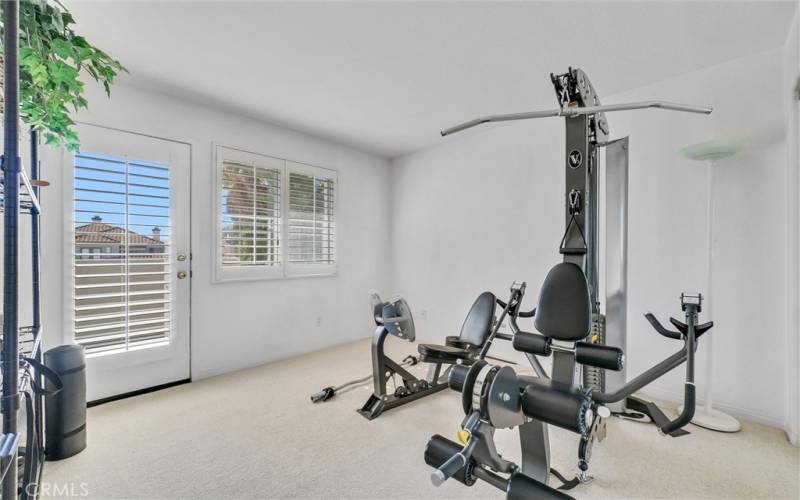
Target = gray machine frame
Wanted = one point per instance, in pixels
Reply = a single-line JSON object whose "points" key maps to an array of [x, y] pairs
{"points": [[394, 318]]}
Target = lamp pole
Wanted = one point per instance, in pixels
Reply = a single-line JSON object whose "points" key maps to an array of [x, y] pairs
{"points": [[711, 153]]}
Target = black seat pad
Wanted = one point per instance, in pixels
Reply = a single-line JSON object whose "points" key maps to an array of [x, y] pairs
{"points": [[474, 331], [565, 308], [442, 352], [455, 341]]}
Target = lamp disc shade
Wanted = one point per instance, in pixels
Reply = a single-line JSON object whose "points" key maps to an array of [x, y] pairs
{"points": [[713, 150]]}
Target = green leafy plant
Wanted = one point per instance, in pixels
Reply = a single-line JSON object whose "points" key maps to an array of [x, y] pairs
{"points": [[52, 59]]}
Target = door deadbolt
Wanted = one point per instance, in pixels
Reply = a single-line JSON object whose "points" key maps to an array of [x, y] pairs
{"points": [[181, 257], [182, 274]]}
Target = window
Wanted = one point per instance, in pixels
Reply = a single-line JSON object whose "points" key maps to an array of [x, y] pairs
{"points": [[249, 215], [251, 210], [121, 299], [275, 218], [311, 218]]}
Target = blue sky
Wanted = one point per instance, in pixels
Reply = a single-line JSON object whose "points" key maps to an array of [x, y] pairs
{"points": [[100, 186]]}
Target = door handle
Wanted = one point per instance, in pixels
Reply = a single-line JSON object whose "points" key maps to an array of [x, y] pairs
{"points": [[182, 274]]}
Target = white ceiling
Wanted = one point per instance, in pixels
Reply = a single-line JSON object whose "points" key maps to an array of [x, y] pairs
{"points": [[386, 77]]}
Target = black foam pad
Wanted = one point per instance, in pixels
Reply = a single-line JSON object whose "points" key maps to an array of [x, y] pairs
{"points": [[522, 487], [434, 352], [565, 309], [557, 404], [478, 325], [532, 343], [601, 356], [440, 449]]}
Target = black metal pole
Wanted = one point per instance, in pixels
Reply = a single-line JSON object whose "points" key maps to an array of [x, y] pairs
{"points": [[36, 449], [37, 313], [11, 180]]}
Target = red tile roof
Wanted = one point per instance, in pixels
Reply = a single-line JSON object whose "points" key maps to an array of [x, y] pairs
{"points": [[99, 232]]}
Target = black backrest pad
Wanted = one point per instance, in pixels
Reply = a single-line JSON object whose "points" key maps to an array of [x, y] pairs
{"points": [[564, 311], [478, 324]]}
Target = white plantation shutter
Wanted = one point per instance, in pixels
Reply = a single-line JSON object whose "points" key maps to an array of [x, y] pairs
{"points": [[251, 215], [311, 219], [275, 218], [121, 270], [249, 208]]}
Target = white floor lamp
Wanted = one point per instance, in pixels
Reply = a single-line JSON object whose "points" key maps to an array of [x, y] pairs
{"points": [[711, 153]]}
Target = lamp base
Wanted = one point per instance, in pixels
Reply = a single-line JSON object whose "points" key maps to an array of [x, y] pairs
{"points": [[715, 420]]}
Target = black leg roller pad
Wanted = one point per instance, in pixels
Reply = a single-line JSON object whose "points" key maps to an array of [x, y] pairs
{"points": [[601, 356], [563, 407], [457, 377], [440, 450], [532, 343], [522, 487]]}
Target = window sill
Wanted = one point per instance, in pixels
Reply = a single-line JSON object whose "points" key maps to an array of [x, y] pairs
{"points": [[220, 278], [321, 274]]}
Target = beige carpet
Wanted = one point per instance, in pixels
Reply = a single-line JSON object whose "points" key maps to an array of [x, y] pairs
{"points": [[254, 434]]}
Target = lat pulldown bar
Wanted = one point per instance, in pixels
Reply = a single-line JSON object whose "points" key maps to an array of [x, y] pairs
{"points": [[577, 111]]}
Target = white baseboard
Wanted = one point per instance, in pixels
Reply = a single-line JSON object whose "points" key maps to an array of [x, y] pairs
{"points": [[740, 413], [793, 438]]}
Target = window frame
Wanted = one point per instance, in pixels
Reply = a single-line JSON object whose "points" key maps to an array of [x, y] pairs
{"points": [[284, 270]]}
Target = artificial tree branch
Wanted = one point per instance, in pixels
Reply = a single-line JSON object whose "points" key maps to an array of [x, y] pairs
{"points": [[53, 58]]}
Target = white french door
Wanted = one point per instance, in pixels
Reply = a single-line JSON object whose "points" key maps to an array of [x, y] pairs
{"points": [[127, 258]]}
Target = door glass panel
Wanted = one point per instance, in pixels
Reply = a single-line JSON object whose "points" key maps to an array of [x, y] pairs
{"points": [[122, 292]]}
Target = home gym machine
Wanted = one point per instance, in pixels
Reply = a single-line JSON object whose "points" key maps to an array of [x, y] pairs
{"points": [[586, 341], [394, 318]]}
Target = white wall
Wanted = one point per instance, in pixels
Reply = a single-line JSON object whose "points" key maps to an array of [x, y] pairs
{"points": [[791, 79], [485, 208], [667, 229], [478, 212], [241, 324]]}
